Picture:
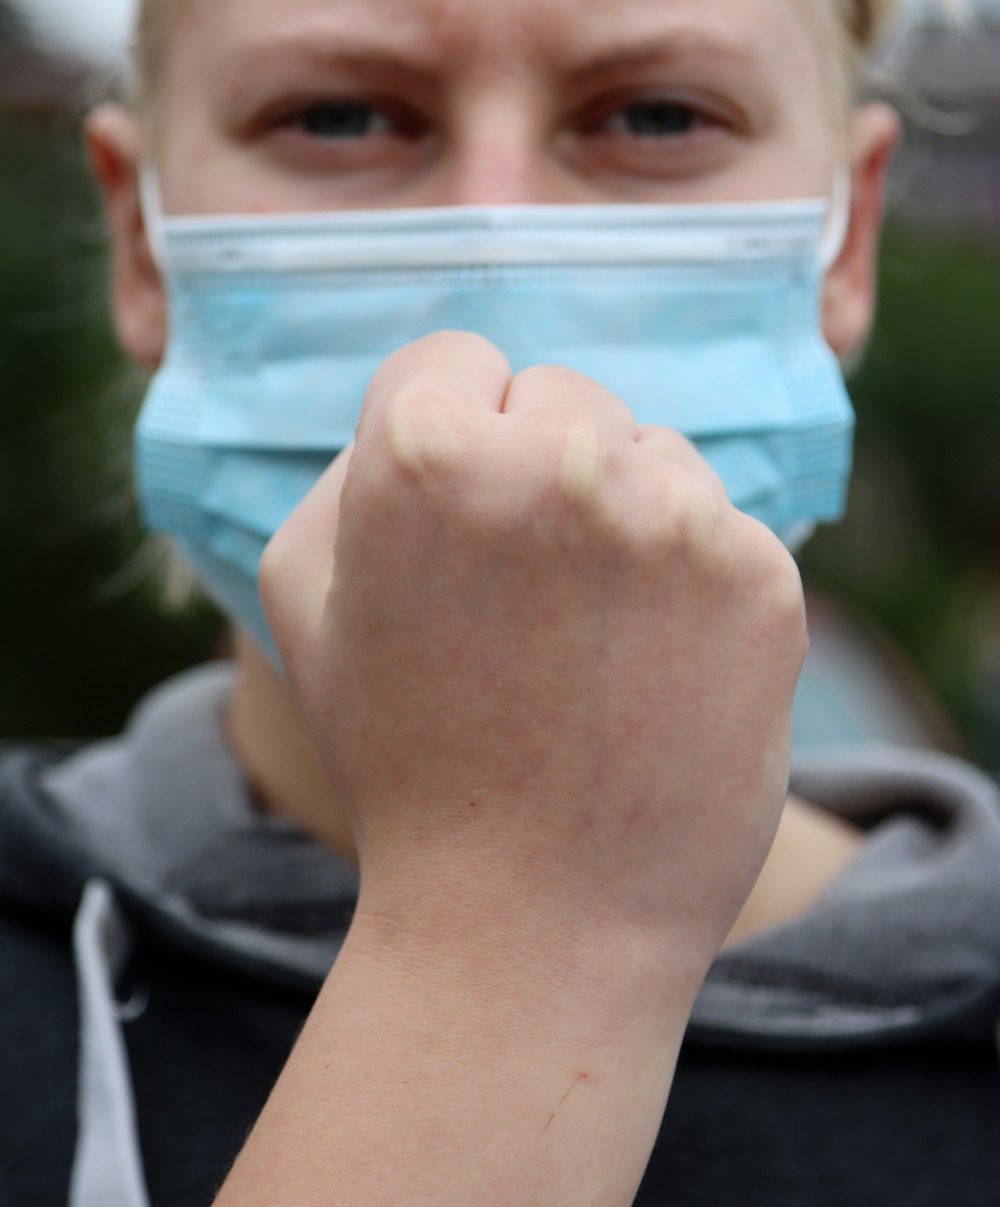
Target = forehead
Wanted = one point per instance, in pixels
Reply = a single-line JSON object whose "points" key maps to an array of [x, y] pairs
{"points": [[784, 36]]}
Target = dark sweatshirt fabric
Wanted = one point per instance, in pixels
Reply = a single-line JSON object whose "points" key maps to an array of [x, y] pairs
{"points": [[848, 1058]]}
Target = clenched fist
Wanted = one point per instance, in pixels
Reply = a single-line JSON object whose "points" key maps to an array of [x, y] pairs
{"points": [[548, 666]]}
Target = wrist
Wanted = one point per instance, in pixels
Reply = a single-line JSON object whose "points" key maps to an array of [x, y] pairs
{"points": [[469, 1046], [504, 941]]}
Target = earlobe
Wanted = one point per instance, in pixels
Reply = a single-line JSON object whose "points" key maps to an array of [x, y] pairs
{"points": [[114, 149], [851, 284]]}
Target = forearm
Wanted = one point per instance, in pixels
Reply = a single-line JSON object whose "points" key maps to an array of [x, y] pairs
{"points": [[499, 1072], [550, 673]]}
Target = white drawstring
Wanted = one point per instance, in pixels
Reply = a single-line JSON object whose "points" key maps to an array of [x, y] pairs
{"points": [[107, 1165]]}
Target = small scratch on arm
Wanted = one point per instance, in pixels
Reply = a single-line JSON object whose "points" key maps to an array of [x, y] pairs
{"points": [[584, 1075], [579, 1077]]}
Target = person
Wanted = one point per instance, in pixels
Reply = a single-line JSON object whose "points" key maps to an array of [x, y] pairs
{"points": [[429, 888]]}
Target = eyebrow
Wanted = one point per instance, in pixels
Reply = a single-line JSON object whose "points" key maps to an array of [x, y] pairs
{"points": [[353, 55], [377, 59], [678, 46]]}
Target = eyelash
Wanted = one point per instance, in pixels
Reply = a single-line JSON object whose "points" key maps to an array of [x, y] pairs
{"points": [[343, 112], [653, 112], [677, 118]]}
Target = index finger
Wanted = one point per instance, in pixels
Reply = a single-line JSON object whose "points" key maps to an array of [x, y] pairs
{"points": [[422, 398]]}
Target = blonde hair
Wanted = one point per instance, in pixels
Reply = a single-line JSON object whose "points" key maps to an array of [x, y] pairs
{"points": [[860, 28], [868, 22]]}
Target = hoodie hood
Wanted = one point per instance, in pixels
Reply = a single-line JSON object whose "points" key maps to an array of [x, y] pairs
{"points": [[164, 815], [907, 942]]}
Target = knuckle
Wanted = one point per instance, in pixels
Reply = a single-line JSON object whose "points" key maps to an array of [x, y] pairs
{"points": [[549, 378], [451, 341], [687, 521], [428, 353], [582, 467], [569, 392], [439, 371], [776, 583], [422, 432], [669, 527]]}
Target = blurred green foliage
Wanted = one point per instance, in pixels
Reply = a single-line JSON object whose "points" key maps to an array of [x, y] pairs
{"points": [[919, 549], [85, 633]]}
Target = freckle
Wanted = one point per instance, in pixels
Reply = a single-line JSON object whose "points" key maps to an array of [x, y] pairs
{"points": [[472, 804]]}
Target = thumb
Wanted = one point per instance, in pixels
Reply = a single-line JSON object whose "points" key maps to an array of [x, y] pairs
{"points": [[297, 567]]}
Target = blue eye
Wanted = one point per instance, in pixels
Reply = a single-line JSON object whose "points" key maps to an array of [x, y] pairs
{"points": [[337, 120], [655, 119]]}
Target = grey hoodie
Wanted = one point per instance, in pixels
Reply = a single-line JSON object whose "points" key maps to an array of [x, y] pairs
{"points": [[905, 944]]}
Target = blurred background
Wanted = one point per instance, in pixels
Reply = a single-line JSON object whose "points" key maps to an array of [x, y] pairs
{"points": [[904, 595]]}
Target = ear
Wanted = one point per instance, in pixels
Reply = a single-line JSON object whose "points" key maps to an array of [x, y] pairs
{"points": [[114, 149], [851, 284]]}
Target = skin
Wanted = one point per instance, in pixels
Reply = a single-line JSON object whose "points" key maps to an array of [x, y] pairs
{"points": [[521, 103], [491, 133]]}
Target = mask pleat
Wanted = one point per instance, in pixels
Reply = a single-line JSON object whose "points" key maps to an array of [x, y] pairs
{"points": [[702, 319]]}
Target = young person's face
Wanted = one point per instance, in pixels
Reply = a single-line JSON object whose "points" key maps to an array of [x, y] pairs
{"points": [[297, 105], [303, 104]]}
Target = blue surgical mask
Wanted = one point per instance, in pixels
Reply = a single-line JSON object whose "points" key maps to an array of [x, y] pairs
{"points": [[705, 319]]}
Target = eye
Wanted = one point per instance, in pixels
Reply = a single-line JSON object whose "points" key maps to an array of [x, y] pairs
{"points": [[342, 121], [654, 119], [650, 136]]}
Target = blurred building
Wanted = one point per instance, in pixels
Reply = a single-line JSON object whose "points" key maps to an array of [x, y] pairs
{"points": [[946, 80], [34, 84], [10, 26]]}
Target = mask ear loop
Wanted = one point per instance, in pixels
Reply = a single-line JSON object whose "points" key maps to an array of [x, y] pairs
{"points": [[838, 221], [151, 208]]}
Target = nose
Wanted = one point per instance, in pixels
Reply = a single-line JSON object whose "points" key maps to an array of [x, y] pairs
{"points": [[500, 155], [491, 173]]}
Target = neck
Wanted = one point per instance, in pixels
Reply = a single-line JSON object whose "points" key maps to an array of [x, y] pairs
{"points": [[272, 745], [270, 740], [811, 850]]}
